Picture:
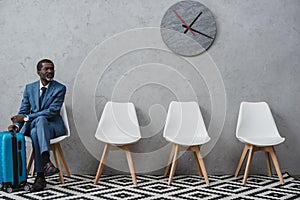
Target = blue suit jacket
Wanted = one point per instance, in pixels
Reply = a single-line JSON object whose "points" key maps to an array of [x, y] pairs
{"points": [[50, 107]]}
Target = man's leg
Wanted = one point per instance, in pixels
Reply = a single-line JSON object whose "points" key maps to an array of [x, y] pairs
{"points": [[41, 134], [40, 181]]}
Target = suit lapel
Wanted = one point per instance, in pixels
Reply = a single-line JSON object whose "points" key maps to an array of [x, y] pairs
{"points": [[37, 94]]}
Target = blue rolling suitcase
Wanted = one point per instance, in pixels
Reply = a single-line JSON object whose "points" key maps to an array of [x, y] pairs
{"points": [[13, 172]]}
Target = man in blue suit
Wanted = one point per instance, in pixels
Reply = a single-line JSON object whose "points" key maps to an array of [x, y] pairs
{"points": [[39, 116]]}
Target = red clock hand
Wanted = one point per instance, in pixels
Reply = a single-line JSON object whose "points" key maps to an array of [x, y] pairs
{"points": [[184, 22]]}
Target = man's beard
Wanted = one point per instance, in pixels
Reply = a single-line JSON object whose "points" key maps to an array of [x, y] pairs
{"points": [[49, 78]]}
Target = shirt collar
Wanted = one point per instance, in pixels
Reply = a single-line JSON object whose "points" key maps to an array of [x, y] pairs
{"points": [[41, 85]]}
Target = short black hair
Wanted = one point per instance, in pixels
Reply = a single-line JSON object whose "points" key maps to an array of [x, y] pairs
{"points": [[39, 65]]}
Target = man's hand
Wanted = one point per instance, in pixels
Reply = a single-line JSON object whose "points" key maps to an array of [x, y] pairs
{"points": [[17, 118], [13, 127]]}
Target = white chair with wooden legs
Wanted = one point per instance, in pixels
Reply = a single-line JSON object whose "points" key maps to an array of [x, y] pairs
{"points": [[55, 148], [118, 128], [257, 129], [185, 128]]}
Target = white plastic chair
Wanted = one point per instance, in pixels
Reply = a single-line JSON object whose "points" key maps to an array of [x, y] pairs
{"points": [[55, 148], [257, 129], [185, 128], [118, 128]]}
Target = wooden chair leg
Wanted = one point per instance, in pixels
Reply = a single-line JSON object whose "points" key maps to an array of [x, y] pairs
{"points": [[243, 156], [54, 148], [248, 164], [130, 163], [201, 162], [169, 161], [101, 164], [197, 164], [268, 163], [276, 164], [174, 163], [62, 157], [32, 169], [30, 161]]}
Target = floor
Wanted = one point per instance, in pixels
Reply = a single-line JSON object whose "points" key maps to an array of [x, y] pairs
{"points": [[296, 177], [81, 187]]}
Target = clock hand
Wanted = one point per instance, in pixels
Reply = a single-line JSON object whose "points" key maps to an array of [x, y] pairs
{"points": [[198, 32], [187, 26], [193, 22]]}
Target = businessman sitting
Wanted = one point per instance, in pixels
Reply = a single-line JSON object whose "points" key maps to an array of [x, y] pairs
{"points": [[39, 117]]}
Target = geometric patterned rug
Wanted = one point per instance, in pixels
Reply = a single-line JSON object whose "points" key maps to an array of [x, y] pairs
{"points": [[113, 187]]}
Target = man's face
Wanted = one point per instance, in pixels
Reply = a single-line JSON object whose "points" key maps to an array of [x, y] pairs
{"points": [[47, 72]]}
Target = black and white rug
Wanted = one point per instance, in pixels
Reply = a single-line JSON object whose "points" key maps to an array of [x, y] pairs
{"points": [[81, 187]]}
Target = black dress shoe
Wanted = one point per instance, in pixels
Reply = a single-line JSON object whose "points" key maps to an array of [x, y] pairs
{"points": [[39, 184], [50, 169]]}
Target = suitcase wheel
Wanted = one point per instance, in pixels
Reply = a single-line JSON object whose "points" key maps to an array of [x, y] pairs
{"points": [[26, 187], [9, 189]]}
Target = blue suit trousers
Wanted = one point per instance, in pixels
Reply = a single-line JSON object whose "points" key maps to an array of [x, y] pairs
{"points": [[40, 132]]}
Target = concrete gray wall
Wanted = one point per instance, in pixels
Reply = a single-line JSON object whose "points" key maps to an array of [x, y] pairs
{"points": [[256, 52]]}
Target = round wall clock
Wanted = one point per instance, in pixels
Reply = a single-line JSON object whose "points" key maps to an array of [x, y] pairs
{"points": [[188, 28]]}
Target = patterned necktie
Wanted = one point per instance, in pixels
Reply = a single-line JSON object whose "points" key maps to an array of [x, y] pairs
{"points": [[42, 95]]}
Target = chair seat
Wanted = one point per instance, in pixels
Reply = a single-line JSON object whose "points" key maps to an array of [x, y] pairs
{"points": [[185, 141], [52, 141], [120, 140], [58, 139], [262, 141]]}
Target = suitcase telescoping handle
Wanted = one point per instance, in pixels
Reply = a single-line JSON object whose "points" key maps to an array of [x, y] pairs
{"points": [[15, 157], [13, 131]]}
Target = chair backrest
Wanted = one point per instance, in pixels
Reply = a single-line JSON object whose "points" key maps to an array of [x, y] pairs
{"points": [[184, 119], [255, 120], [118, 124], [64, 115]]}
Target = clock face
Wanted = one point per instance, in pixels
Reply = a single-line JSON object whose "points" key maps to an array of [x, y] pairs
{"points": [[188, 28]]}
